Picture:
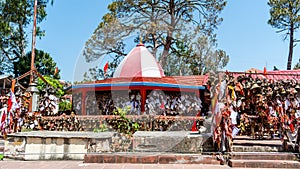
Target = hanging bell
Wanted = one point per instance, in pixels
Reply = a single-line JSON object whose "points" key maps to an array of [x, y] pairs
{"points": [[255, 86], [258, 81], [283, 91], [46, 94]]}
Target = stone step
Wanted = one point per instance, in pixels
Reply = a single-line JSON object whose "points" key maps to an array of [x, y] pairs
{"points": [[263, 155], [150, 158], [264, 163], [246, 144], [254, 148]]}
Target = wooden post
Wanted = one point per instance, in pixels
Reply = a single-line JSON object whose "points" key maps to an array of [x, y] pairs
{"points": [[4, 83], [33, 41], [13, 82], [33, 53]]}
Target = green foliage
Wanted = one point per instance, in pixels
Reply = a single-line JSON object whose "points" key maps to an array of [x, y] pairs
{"points": [[284, 16], [44, 64], [283, 13], [162, 23], [23, 129], [122, 124], [57, 86], [6, 67], [102, 128], [65, 105], [15, 18], [195, 58]]}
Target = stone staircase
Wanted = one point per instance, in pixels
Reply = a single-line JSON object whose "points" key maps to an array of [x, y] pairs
{"points": [[250, 153]]}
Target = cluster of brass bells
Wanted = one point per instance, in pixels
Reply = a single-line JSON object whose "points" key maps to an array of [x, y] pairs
{"points": [[265, 87]]}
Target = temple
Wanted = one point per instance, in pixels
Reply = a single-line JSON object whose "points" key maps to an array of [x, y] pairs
{"points": [[138, 81]]}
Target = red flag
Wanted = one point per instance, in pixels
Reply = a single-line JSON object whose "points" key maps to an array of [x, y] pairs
{"points": [[162, 106], [55, 71], [105, 67], [3, 116], [194, 127], [265, 71], [12, 102]]}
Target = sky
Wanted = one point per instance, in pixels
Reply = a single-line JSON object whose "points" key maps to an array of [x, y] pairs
{"points": [[244, 34]]}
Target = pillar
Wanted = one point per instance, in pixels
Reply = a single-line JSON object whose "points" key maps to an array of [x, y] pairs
{"points": [[83, 107], [143, 95]]}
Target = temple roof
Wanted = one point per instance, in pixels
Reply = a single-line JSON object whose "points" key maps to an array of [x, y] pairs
{"points": [[139, 63], [192, 82], [271, 75]]}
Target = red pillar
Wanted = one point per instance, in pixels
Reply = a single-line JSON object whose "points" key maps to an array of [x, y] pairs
{"points": [[197, 93], [143, 95], [83, 97]]}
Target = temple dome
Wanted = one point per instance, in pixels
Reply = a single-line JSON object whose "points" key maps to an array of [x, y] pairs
{"points": [[139, 62]]}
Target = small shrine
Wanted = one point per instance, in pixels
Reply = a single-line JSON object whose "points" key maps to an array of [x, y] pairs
{"points": [[139, 82]]}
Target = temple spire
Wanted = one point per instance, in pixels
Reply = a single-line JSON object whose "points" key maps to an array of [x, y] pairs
{"points": [[141, 38]]}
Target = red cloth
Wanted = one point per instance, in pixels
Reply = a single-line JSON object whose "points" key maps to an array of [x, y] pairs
{"points": [[9, 103], [292, 127], [194, 127], [162, 106], [3, 118], [105, 67], [55, 71]]}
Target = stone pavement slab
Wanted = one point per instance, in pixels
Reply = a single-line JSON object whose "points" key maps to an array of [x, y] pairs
{"points": [[14, 164]]}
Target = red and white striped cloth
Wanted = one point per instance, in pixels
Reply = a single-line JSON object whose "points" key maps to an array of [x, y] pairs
{"points": [[139, 63]]}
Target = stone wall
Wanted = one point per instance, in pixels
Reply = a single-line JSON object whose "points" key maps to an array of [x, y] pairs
{"points": [[56, 145], [96, 134], [171, 141], [149, 123]]}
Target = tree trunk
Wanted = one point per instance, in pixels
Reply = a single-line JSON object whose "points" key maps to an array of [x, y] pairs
{"points": [[169, 38], [165, 53], [290, 57]]}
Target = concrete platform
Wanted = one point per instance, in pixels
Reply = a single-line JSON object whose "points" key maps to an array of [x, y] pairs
{"points": [[80, 165], [53, 145], [57, 145], [151, 158], [171, 141]]}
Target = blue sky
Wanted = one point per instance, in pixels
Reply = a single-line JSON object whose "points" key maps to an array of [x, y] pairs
{"points": [[244, 35]]}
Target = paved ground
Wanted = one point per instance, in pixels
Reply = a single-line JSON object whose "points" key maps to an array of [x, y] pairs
{"points": [[11, 164]]}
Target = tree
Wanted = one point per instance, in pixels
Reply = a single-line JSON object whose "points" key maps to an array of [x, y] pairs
{"points": [[55, 84], [97, 73], [15, 17], [197, 57], [44, 64], [160, 22], [5, 66], [284, 15]]}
